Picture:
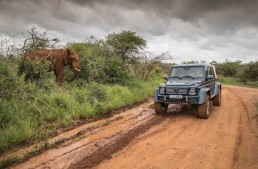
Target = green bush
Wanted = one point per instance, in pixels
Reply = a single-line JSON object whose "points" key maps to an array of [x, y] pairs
{"points": [[228, 69], [7, 80], [91, 60], [238, 73], [99, 63], [250, 72], [115, 71]]}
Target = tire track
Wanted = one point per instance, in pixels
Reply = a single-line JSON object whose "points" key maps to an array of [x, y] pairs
{"points": [[116, 145], [241, 156]]}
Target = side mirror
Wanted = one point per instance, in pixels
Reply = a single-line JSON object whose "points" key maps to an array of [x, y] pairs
{"points": [[165, 77]]}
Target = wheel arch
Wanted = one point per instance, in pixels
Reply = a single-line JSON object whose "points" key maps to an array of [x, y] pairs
{"points": [[217, 88], [156, 93], [203, 94]]}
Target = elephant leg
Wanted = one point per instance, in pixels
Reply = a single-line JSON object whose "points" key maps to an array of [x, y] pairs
{"points": [[59, 76]]}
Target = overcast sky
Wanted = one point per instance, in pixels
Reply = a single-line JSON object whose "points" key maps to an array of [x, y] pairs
{"points": [[188, 29]]}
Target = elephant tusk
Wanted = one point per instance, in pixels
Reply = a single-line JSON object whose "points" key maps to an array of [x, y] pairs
{"points": [[78, 70]]}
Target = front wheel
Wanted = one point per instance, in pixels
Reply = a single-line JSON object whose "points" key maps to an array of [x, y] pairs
{"points": [[204, 109], [160, 108]]}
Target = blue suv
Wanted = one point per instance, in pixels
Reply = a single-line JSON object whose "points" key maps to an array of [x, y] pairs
{"points": [[192, 84]]}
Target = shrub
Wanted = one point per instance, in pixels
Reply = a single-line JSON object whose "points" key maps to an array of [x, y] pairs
{"points": [[99, 63], [34, 71], [250, 72], [115, 71], [228, 68]]}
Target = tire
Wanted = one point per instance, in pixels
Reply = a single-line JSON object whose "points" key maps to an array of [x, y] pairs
{"points": [[217, 100], [160, 108], [204, 109]]}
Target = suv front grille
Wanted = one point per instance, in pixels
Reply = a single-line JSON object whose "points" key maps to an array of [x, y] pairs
{"points": [[176, 91]]}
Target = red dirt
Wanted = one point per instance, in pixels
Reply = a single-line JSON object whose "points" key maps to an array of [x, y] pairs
{"points": [[137, 138]]}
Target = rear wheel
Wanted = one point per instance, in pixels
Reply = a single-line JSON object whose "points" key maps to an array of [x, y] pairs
{"points": [[160, 108], [217, 100], [204, 109]]}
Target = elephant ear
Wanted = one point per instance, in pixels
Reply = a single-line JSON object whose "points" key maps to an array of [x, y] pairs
{"points": [[66, 55]]}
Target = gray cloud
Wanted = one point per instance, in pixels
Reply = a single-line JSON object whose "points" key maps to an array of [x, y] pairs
{"points": [[190, 29]]}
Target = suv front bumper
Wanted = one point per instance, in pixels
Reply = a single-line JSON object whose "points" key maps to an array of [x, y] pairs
{"points": [[185, 99]]}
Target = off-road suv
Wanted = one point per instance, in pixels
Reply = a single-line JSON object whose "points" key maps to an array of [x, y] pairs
{"points": [[192, 84]]}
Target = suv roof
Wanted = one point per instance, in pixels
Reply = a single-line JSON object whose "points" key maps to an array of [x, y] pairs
{"points": [[191, 65]]}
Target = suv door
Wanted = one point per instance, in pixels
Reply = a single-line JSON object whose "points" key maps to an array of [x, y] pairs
{"points": [[211, 79]]}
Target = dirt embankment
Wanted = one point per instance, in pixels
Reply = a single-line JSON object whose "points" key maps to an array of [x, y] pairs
{"points": [[138, 138]]}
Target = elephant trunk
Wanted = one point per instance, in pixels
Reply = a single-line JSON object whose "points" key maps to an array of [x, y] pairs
{"points": [[75, 73]]}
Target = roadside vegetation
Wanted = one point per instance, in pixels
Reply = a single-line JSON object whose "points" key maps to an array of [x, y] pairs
{"points": [[238, 73], [114, 73]]}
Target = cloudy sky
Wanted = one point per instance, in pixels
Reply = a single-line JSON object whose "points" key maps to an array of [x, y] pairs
{"points": [[188, 29]]}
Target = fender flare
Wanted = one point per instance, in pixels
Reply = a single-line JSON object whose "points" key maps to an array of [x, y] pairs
{"points": [[203, 94], [217, 88], [156, 93]]}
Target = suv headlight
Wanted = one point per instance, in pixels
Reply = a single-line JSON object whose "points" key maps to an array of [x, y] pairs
{"points": [[162, 90], [192, 90]]}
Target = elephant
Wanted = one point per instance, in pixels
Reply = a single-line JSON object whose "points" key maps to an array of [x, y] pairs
{"points": [[59, 58]]}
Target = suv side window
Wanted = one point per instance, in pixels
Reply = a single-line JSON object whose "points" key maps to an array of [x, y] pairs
{"points": [[210, 73]]}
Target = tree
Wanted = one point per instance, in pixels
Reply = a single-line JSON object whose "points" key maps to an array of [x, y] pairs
{"points": [[149, 61], [34, 39], [8, 50], [126, 44]]}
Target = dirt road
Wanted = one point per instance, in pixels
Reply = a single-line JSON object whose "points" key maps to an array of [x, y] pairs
{"points": [[137, 138]]}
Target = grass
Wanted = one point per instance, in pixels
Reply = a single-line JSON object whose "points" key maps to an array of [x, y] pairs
{"points": [[236, 81]]}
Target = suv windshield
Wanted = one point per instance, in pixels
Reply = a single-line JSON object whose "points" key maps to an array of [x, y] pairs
{"points": [[192, 72]]}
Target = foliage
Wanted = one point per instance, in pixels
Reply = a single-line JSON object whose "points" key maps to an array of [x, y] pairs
{"points": [[91, 59], [247, 73], [148, 62], [228, 68], [34, 71], [35, 39], [126, 44], [99, 63], [250, 72], [115, 71]]}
